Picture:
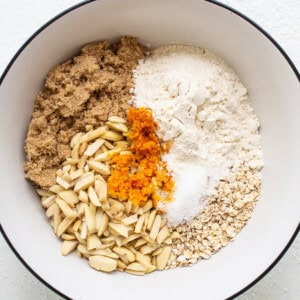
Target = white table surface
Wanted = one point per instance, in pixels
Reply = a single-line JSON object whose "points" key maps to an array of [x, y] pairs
{"points": [[19, 19]]}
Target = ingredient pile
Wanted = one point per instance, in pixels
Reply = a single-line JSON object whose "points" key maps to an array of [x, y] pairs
{"points": [[144, 159]]}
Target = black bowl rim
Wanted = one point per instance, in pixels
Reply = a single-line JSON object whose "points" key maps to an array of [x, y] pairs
{"points": [[232, 10]]}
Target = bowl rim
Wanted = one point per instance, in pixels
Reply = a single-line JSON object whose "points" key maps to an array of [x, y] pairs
{"points": [[214, 2]]}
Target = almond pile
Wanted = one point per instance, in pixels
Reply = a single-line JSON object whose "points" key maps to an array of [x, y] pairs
{"points": [[111, 234]]}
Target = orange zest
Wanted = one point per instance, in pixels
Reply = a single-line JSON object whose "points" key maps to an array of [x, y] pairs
{"points": [[141, 175]]}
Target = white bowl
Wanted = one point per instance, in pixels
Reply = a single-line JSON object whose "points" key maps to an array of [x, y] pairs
{"points": [[273, 84]]}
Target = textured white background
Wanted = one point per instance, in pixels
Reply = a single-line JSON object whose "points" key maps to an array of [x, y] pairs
{"points": [[19, 19]]}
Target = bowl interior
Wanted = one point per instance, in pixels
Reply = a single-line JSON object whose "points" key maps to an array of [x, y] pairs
{"points": [[274, 91]]}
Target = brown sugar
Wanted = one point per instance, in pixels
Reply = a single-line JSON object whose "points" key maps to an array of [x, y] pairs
{"points": [[84, 90]]}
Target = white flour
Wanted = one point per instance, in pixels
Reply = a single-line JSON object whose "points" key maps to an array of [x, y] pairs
{"points": [[200, 104]]}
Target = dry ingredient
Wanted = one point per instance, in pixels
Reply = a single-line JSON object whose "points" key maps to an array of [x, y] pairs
{"points": [[228, 210], [111, 234], [201, 105], [100, 187], [84, 90], [140, 174]]}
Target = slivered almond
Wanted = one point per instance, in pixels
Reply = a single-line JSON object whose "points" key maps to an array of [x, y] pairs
{"points": [[157, 251], [147, 206], [84, 182], [63, 226], [168, 241], [43, 193], [151, 269], [101, 190], [124, 260], [53, 209], [90, 218], [116, 119], [121, 265], [163, 234], [134, 272], [84, 230], [125, 152], [120, 229], [144, 227], [103, 224], [163, 257], [99, 215], [74, 175], [124, 253], [105, 246], [68, 237], [76, 225], [80, 209], [93, 196], [139, 243], [70, 161], [109, 145], [68, 246], [56, 188], [66, 168], [83, 196], [123, 145], [51, 222], [140, 211], [66, 209], [48, 201], [62, 183], [99, 167], [103, 263], [82, 162], [128, 206], [70, 197], [146, 262], [104, 252], [80, 240], [75, 151], [151, 219], [103, 149], [82, 148], [94, 134], [131, 238], [56, 221], [147, 249], [66, 177], [112, 136], [107, 155], [130, 220], [118, 240], [75, 140], [108, 240], [121, 127], [137, 267], [164, 222], [70, 230], [139, 224], [82, 249], [93, 242], [112, 232], [155, 228], [147, 238], [154, 260], [93, 148]]}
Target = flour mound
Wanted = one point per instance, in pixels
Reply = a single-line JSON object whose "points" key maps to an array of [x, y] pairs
{"points": [[203, 108]]}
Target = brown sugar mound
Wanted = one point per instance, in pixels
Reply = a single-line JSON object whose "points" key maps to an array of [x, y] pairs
{"points": [[84, 90]]}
